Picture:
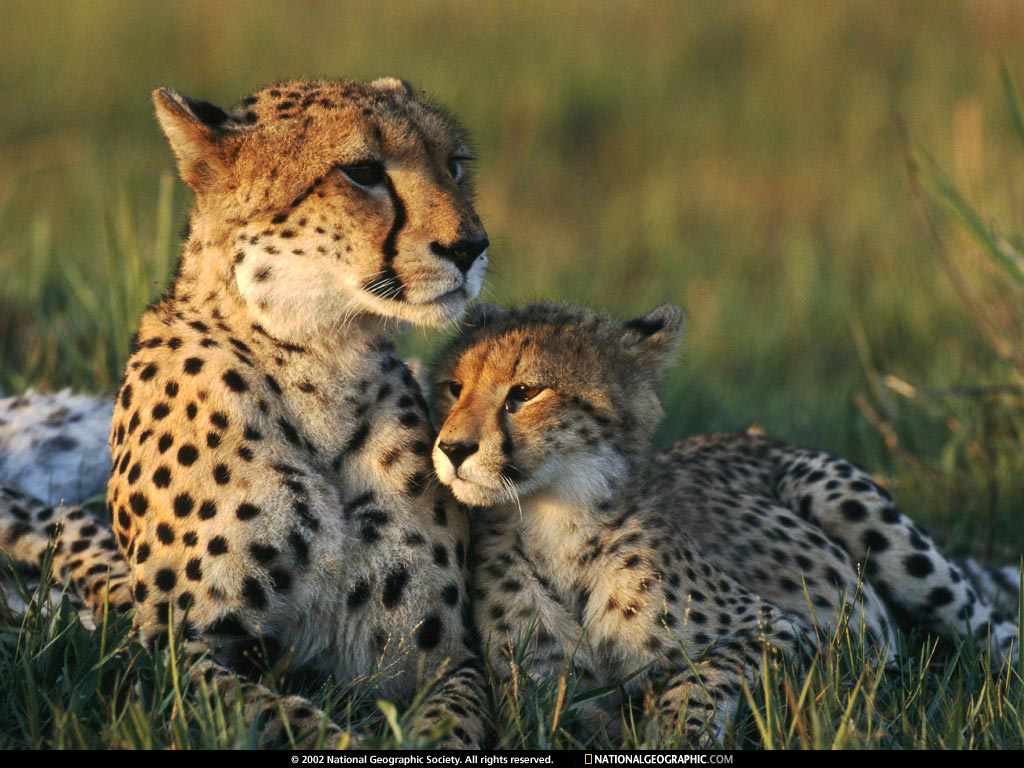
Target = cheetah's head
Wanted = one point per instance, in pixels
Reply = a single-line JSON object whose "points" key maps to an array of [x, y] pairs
{"points": [[320, 202], [549, 398]]}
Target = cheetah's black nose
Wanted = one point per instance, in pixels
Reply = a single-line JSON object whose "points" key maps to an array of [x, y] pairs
{"points": [[458, 452], [463, 253]]}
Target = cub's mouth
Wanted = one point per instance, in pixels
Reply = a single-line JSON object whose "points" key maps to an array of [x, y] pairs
{"points": [[477, 495]]}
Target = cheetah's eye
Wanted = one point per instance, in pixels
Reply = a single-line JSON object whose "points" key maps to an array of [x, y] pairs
{"points": [[520, 394], [457, 167], [455, 388], [369, 173]]}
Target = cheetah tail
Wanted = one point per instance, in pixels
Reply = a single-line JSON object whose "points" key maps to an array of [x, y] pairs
{"points": [[1000, 585]]}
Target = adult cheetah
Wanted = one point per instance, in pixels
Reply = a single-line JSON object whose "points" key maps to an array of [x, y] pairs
{"points": [[270, 454], [673, 569]]}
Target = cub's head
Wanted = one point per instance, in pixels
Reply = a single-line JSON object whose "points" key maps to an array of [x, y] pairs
{"points": [[549, 398], [320, 201]]}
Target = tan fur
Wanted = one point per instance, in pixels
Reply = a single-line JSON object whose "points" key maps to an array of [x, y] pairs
{"points": [[669, 568]]}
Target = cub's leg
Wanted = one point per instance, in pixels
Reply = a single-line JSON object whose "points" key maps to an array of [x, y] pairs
{"points": [[526, 628], [700, 697], [900, 560], [277, 715], [84, 553]]}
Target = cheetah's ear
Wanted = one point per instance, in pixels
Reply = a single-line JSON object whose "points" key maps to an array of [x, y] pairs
{"points": [[654, 337], [393, 84], [481, 314], [196, 131]]}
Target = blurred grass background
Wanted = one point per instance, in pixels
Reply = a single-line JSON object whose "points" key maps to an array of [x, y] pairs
{"points": [[744, 160]]}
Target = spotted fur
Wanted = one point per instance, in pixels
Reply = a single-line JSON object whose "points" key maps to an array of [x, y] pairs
{"points": [[269, 477], [674, 569]]}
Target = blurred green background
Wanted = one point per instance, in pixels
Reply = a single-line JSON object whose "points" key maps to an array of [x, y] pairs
{"points": [[742, 159]]}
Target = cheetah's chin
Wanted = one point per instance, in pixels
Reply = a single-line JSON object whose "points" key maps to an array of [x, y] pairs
{"points": [[439, 311], [476, 495]]}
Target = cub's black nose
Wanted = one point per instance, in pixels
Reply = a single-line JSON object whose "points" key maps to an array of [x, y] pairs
{"points": [[458, 452], [463, 253]]}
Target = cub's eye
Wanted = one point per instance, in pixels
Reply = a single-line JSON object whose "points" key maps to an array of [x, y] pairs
{"points": [[520, 394], [455, 388], [457, 167], [366, 174]]}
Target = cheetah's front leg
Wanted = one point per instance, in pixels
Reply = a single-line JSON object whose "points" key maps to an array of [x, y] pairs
{"points": [[701, 698]]}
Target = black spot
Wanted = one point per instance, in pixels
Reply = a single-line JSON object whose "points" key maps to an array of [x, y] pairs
{"points": [[358, 438], [165, 579], [300, 546], [429, 634], [140, 592], [193, 365], [191, 411], [358, 595], [165, 534], [148, 372], [171, 388], [212, 440], [253, 593], [409, 419], [290, 433], [280, 579], [853, 510], [218, 545], [890, 515], [162, 477], [440, 555], [221, 474], [126, 396], [875, 541], [234, 381], [394, 585], [262, 553], [919, 566], [164, 443], [207, 509], [219, 419], [440, 515], [272, 383], [142, 553], [190, 539], [187, 455], [138, 503], [194, 569], [160, 411], [450, 594], [230, 625], [247, 511]]}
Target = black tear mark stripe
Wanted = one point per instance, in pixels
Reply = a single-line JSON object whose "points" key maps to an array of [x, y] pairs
{"points": [[389, 284]]}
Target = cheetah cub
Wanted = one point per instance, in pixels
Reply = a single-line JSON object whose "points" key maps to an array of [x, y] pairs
{"points": [[673, 570], [270, 454]]}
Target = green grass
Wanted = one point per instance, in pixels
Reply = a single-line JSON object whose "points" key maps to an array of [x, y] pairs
{"points": [[832, 192]]}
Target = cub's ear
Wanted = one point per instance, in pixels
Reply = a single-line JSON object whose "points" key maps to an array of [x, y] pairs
{"points": [[653, 338], [481, 314], [197, 132], [396, 84]]}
